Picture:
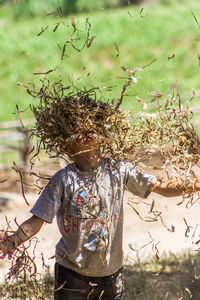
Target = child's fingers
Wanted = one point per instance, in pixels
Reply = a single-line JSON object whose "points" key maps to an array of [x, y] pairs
{"points": [[2, 236], [6, 249], [2, 251], [2, 255], [1, 247], [10, 256], [197, 183]]}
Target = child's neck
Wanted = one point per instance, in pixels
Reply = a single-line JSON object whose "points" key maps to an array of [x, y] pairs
{"points": [[85, 168], [87, 161]]}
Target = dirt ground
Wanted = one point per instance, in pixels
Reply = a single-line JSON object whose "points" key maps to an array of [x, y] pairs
{"points": [[176, 230]]}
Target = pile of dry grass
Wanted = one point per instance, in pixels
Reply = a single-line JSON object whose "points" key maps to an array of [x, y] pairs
{"points": [[61, 117]]}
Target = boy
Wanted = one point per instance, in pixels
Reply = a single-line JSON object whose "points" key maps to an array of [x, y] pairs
{"points": [[86, 197]]}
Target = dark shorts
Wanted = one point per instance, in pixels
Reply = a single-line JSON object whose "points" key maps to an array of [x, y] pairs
{"points": [[73, 286]]}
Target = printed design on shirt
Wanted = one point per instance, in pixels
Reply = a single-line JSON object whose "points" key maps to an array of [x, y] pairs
{"points": [[85, 204], [88, 216], [78, 226], [98, 238], [81, 197]]}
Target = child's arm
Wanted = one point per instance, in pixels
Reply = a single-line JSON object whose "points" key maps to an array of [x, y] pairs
{"points": [[27, 230], [170, 188]]}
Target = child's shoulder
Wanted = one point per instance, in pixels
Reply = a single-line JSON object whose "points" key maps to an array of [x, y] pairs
{"points": [[63, 172]]}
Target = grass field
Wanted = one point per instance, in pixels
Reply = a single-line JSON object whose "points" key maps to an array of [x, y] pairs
{"points": [[168, 33], [135, 36]]}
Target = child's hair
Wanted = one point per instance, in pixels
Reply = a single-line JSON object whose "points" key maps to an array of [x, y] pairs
{"points": [[61, 117]]}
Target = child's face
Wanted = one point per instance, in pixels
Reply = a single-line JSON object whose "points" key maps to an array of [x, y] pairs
{"points": [[85, 152]]}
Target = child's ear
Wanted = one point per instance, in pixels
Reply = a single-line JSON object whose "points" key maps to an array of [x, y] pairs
{"points": [[68, 149]]}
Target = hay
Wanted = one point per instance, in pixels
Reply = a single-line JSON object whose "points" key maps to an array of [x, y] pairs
{"points": [[61, 117]]}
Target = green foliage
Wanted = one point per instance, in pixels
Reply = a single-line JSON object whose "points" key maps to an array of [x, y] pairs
{"points": [[34, 8], [85, 5], [38, 7], [69, 6], [156, 32]]}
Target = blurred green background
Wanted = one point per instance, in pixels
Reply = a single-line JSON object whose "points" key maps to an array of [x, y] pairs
{"points": [[127, 33]]}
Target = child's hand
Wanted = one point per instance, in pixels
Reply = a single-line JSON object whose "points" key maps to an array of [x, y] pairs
{"points": [[7, 246], [197, 183]]}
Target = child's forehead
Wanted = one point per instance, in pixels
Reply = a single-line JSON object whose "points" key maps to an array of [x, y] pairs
{"points": [[82, 142], [84, 137]]}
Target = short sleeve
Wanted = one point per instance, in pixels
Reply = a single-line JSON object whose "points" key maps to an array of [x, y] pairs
{"points": [[49, 201], [137, 182]]}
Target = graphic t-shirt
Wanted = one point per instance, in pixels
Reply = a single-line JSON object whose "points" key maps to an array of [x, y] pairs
{"points": [[89, 211]]}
